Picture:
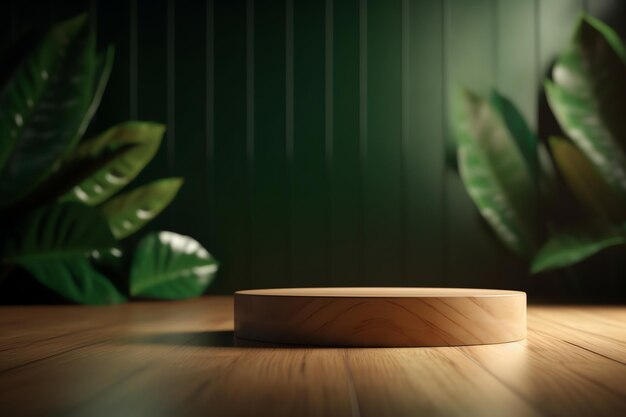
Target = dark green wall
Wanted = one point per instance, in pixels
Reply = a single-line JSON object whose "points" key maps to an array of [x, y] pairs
{"points": [[313, 135]]}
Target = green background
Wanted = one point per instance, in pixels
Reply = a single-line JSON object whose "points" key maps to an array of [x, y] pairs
{"points": [[314, 135]]}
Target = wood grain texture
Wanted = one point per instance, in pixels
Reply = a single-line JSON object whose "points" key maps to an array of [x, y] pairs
{"points": [[381, 317], [180, 359]]}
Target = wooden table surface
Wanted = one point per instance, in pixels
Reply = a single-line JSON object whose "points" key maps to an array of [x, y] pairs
{"points": [[179, 359]]}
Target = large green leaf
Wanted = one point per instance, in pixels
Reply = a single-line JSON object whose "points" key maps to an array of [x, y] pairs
{"points": [[143, 140], [45, 107], [57, 231], [496, 174], [567, 247], [519, 130], [29, 82], [587, 97], [72, 171], [52, 243], [111, 259], [587, 185], [170, 266], [74, 278], [128, 212], [114, 263], [103, 67]]}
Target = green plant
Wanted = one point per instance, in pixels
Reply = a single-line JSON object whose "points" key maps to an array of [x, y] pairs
{"points": [[61, 214], [504, 169]]}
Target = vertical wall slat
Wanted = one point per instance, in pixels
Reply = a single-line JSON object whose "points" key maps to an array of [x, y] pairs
{"points": [[424, 156], [329, 122], [363, 133], [209, 98], [383, 175], [471, 247], [191, 205], [346, 212], [557, 20], [233, 235], [151, 90], [250, 138], [517, 79], [289, 131], [516, 56], [270, 239], [113, 23], [310, 232]]}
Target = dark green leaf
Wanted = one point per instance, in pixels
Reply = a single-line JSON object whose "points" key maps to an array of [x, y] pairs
{"points": [[72, 171], [128, 212], [103, 66], [113, 263], [111, 258], [548, 181], [17, 98], [567, 247], [74, 278], [53, 242], [519, 130], [587, 96], [608, 34], [57, 231], [142, 140], [587, 185], [45, 107], [170, 266], [496, 174]]}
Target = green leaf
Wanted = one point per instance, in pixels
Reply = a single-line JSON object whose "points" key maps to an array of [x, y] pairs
{"points": [[548, 182], [108, 259], [72, 171], [103, 66], [570, 246], [587, 96], [519, 130], [496, 174], [52, 243], [74, 278], [17, 98], [113, 263], [170, 266], [608, 34], [587, 185], [57, 231], [45, 107], [142, 140], [128, 212]]}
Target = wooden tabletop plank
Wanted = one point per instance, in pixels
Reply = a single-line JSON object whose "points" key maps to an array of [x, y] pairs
{"points": [[180, 358], [558, 378], [588, 331], [433, 382], [51, 339]]}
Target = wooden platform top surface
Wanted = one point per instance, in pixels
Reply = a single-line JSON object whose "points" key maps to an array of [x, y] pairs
{"points": [[382, 292], [180, 359]]}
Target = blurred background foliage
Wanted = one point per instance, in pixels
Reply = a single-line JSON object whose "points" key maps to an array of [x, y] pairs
{"points": [[62, 213], [514, 188], [317, 138]]}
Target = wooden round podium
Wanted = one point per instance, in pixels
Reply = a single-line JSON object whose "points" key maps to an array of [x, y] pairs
{"points": [[380, 316]]}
